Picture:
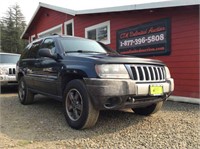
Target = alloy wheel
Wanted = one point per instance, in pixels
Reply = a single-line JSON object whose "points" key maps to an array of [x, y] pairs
{"points": [[74, 104]]}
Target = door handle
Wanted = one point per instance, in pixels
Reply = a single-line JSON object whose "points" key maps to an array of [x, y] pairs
{"points": [[37, 64]]}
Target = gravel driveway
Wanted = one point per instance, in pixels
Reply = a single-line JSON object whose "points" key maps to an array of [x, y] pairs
{"points": [[42, 125]]}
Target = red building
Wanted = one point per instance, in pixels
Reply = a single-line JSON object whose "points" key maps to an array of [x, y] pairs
{"points": [[168, 31]]}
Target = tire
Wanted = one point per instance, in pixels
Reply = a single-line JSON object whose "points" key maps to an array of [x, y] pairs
{"points": [[25, 96], [149, 109], [78, 109]]}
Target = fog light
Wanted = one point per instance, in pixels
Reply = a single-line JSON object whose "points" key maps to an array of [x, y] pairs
{"points": [[113, 102], [131, 99]]}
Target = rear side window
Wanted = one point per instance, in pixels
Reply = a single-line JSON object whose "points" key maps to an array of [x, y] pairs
{"points": [[31, 50], [25, 52]]}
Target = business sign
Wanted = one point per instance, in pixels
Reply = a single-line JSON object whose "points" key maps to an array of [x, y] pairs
{"points": [[147, 39]]}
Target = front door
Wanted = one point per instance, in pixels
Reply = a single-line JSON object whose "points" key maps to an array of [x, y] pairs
{"points": [[48, 70]]}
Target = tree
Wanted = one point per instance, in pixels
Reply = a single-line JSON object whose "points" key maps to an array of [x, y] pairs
{"points": [[12, 26]]}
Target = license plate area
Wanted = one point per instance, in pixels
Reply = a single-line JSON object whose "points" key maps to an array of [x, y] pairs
{"points": [[155, 90]]}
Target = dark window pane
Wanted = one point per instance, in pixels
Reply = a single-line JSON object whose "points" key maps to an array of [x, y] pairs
{"points": [[69, 29], [92, 34], [102, 34]]}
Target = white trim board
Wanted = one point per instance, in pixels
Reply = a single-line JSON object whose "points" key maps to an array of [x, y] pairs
{"points": [[136, 5], [32, 36], [65, 28], [107, 23], [184, 99], [51, 29]]}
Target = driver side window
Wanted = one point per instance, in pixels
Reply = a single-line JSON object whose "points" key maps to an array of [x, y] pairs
{"points": [[49, 43]]}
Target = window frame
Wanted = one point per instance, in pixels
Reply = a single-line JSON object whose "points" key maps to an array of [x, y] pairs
{"points": [[50, 30], [54, 43], [31, 54], [32, 38], [95, 27], [65, 26]]}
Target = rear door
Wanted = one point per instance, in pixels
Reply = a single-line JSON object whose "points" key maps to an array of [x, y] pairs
{"points": [[28, 60]]}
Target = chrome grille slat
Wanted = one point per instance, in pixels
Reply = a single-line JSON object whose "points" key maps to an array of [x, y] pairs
{"points": [[144, 76], [137, 73], [147, 73], [154, 74], [161, 74], [158, 73]]}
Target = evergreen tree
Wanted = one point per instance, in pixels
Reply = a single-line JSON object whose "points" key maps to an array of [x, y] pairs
{"points": [[12, 26]]}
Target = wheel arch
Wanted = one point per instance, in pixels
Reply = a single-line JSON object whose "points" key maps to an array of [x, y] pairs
{"points": [[67, 77]]}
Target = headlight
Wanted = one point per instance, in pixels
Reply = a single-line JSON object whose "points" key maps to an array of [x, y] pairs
{"points": [[112, 71], [3, 71], [167, 72]]}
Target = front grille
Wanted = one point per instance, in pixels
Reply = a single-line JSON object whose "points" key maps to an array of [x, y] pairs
{"points": [[12, 71], [147, 73]]}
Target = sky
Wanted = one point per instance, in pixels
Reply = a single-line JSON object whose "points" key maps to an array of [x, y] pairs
{"points": [[28, 7]]}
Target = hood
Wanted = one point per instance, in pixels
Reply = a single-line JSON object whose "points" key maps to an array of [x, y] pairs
{"points": [[112, 58]]}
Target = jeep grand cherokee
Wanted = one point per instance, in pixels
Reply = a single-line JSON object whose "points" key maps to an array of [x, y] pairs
{"points": [[8, 68], [87, 77]]}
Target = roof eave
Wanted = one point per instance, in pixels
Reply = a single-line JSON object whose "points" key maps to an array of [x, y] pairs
{"points": [[162, 4], [154, 5], [63, 10], [21, 37], [60, 9]]}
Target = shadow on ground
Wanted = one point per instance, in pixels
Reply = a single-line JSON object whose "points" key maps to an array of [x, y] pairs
{"points": [[8, 89]]}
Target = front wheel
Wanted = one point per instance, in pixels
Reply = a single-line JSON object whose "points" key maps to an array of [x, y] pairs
{"points": [[24, 94], [149, 109], [78, 109]]}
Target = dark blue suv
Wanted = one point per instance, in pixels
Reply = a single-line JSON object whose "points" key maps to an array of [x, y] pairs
{"points": [[87, 77]]}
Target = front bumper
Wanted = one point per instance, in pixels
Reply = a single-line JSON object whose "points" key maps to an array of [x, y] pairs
{"points": [[122, 93], [6, 80]]}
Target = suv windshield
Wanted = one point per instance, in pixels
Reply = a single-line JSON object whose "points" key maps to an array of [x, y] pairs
{"points": [[82, 46], [6, 58]]}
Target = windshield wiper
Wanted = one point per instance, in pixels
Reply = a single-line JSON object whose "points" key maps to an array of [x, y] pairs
{"points": [[78, 51]]}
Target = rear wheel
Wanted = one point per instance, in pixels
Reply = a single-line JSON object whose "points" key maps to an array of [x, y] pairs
{"points": [[25, 96], [149, 109], [78, 109]]}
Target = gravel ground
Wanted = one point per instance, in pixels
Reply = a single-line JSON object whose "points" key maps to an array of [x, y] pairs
{"points": [[42, 125]]}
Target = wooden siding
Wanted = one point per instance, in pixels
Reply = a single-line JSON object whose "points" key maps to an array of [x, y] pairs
{"points": [[46, 19], [184, 58]]}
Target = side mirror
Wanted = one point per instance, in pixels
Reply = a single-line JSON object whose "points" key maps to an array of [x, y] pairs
{"points": [[45, 52]]}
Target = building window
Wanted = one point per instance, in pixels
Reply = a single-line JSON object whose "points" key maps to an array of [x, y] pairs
{"points": [[99, 32], [69, 27], [54, 30]]}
